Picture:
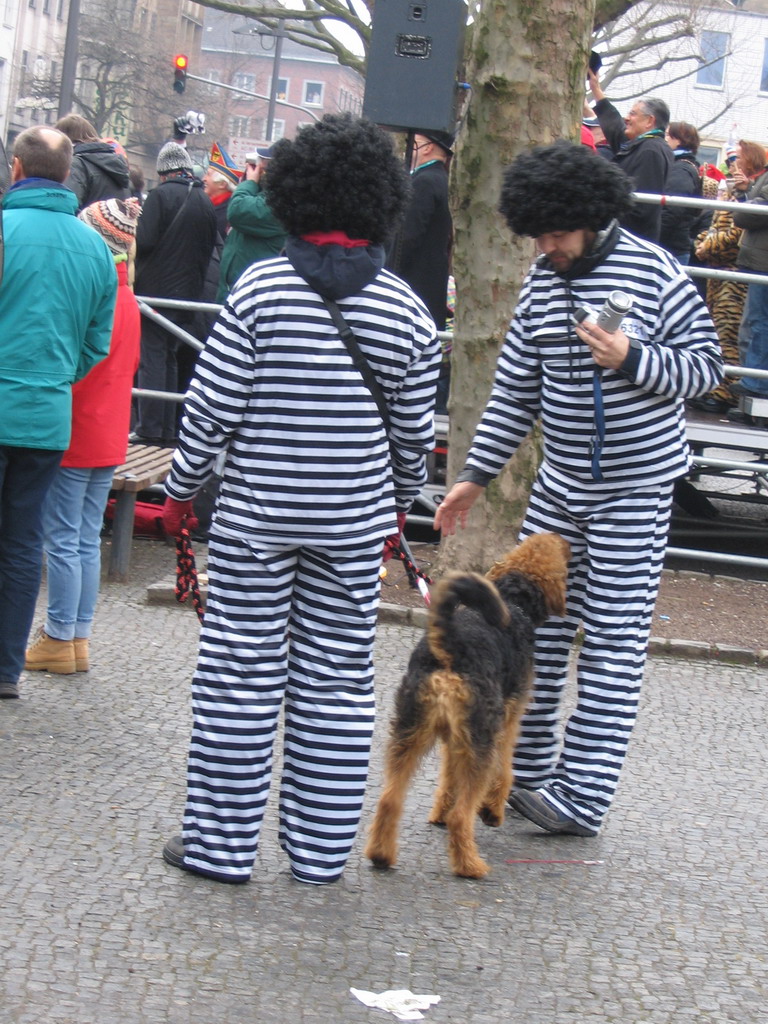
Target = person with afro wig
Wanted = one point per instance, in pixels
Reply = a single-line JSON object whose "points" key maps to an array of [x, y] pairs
{"points": [[312, 483], [611, 407]]}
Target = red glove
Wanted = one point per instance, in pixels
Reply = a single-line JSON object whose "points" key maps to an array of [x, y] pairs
{"points": [[174, 515], [393, 540]]}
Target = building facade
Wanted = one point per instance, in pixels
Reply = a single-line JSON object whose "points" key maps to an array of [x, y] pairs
{"points": [[308, 84]]}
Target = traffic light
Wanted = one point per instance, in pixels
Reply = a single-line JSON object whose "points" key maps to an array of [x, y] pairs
{"points": [[180, 72]]}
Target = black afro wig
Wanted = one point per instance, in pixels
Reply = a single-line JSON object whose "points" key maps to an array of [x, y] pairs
{"points": [[339, 174], [563, 187]]}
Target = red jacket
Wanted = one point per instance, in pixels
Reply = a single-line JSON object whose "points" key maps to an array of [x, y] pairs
{"points": [[101, 401]]}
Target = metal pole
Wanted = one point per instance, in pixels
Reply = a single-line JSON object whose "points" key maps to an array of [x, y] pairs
{"points": [[69, 64], [275, 73]]}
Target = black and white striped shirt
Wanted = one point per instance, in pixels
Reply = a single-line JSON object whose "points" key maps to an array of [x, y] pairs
{"points": [[545, 370], [308, 459]]}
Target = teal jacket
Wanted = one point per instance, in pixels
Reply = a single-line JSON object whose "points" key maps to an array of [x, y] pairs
{"points": [[57, 300], [255, 234]]}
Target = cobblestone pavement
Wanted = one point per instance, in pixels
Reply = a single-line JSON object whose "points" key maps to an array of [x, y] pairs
{"points": [[661, 919]]}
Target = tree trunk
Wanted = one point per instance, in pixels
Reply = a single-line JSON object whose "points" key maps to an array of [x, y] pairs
{"points": [[526, 63]]}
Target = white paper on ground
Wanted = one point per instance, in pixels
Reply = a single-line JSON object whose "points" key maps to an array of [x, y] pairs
{"points": [[403, 1004]]}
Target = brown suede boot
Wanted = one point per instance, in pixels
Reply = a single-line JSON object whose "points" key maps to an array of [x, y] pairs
{"points": [[49, 655], [82, 662]]}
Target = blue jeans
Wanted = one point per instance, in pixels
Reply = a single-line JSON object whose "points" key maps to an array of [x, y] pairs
{"points": [[755, 330], [25, 476], [73, 516]]}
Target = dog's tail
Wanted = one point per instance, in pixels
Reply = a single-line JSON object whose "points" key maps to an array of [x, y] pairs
{"points": [[473, 591]]}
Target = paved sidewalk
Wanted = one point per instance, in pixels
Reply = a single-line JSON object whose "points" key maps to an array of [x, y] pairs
{"points": [[660, 919]]}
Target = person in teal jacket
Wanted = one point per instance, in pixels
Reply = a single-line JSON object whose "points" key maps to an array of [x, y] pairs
{"points": [[57, 300], [255, 233]]}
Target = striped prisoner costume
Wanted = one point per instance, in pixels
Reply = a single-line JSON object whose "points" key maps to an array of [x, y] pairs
{"points": [[309, 491], [606, 488]]}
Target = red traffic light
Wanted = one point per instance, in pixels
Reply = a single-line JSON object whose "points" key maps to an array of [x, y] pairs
{"points": [[180, 63]]}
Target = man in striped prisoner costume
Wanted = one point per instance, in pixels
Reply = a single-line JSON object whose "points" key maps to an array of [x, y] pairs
{"points": [[611, 409], [310, 488]]}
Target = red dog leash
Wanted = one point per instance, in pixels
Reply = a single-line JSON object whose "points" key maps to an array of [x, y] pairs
{"points": [[186, 572]]}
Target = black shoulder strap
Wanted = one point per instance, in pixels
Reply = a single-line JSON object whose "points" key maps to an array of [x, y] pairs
{"points": [[361, 363]]}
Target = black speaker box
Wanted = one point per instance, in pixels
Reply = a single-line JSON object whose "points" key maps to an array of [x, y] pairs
{"points": [[414, 57]]}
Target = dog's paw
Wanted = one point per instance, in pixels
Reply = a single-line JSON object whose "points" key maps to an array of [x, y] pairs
{"points": [[378, 858], [380, 863], [473, 868], [432, 820], [489, 816]]}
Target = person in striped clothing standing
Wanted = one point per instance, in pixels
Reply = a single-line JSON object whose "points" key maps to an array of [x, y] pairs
{"points": [[611, 411], [312, 484]]}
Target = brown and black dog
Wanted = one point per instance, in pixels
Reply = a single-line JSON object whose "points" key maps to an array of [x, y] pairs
{"points": [[467, 685]]}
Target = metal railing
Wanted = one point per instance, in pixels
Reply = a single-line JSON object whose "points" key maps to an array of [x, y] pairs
{"points": [[149, 307]]}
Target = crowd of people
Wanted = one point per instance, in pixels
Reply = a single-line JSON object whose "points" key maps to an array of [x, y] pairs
{"points": [[313, 401], [660, 156]]}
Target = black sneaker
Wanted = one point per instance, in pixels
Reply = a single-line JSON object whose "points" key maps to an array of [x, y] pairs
{"points": [[8, 690], [173, 854], [534, 807]]}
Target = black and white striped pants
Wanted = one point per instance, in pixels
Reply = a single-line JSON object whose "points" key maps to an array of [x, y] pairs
{"points": [[292, 626], [617, 544]]}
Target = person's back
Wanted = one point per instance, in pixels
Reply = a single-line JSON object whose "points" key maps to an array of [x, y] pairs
{"points": [[98, 171], [56, 305], [420, 253], [174, 239], [255, 233], [56, 272], [312, 484]]}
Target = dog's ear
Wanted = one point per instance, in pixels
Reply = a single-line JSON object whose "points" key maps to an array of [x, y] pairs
{"points": [[553, 588]]}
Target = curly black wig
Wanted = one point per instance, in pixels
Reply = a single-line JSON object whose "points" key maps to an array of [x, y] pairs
{"points": [[563, 187], [339, 174]]}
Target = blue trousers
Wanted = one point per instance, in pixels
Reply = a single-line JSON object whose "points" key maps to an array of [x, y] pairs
{"points": [[754, 333], [25, 476], [285, 628], [617, 554], [73, 516]]}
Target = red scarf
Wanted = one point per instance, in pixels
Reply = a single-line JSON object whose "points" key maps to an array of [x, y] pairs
{"points": [[335, 238]]}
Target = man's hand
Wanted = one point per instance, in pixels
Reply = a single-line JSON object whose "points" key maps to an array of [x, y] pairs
{"points": [[594, 85], [608, 350], [455, 507], [177, 514]]}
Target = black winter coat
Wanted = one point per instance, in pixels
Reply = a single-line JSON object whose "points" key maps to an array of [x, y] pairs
{"points": [[172, 255], [678, 222], [647, 161], [98, 172], [420, 254]]}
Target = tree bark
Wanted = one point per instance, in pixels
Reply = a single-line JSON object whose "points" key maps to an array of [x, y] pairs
{"points": [[526, 63]]}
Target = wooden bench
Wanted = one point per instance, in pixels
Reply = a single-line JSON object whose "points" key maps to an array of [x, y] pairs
{"points": [[144, 466]]}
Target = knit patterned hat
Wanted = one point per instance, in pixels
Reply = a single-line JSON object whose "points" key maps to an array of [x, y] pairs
{"points": [[221, 161], [173, 157], [115, 220]]}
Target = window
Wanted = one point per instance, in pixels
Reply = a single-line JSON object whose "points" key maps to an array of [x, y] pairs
{"points": [[243, 81], [313, 94], [278, 130], [282, 89], [709, 155], [764, 72], [46, 6], [238, 127], [714, 47]]}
